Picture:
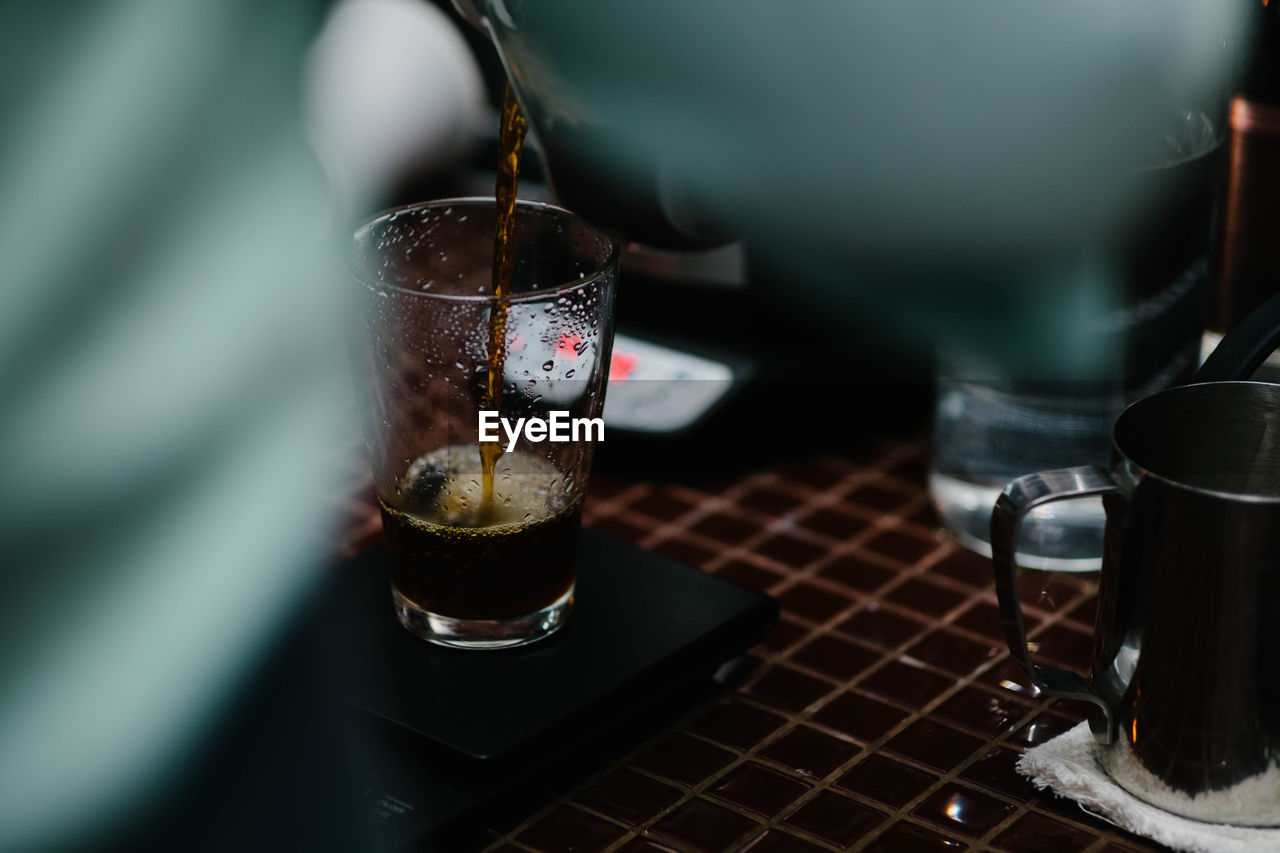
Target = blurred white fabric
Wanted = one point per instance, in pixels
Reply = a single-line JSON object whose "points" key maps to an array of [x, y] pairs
{"points": [[172, 386], [173, 378], [391, 86]]}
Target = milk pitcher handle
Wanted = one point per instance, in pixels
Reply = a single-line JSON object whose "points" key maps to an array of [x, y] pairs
{"points": [[1020, 497]]}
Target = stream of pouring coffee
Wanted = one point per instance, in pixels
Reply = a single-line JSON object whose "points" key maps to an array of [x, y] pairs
{"points": [[510, 139]]}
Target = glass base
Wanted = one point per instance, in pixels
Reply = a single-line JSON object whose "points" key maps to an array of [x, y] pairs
{"points": [[1064, 536], [483, 633]]}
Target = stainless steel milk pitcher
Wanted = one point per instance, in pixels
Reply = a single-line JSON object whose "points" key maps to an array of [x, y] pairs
{"points": [[1185, 686]]}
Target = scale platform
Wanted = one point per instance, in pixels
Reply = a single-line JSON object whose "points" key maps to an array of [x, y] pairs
{"points": [[442, 732]]}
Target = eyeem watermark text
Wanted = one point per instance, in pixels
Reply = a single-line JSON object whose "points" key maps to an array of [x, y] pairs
{"points": [[558, 426]]}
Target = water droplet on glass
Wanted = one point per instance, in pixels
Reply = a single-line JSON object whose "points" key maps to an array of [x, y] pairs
{"points": [[548, 364]]}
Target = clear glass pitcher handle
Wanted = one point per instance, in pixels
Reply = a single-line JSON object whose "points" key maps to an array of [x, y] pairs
{"points": [[1020, 497]]}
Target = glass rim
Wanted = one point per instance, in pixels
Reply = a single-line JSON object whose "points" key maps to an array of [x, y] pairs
{"points": [[1216, 145], [612, 255]]}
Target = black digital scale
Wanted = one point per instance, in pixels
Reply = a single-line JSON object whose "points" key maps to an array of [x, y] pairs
{"points": [[443, 734]]}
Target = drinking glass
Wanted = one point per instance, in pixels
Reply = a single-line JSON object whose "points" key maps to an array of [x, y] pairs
{"points": [[468, 569], [998, 417]]}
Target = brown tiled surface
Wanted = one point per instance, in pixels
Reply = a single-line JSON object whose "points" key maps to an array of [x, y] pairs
{"points": [[789, 689], [885, 628], [886, 781], [859, 716], [702, 826], [885, 713], [833, 523], [906, 682], [834, 818], [628, 796], [569, 829], [856, 573], [835, 658], [777, 841], [963, 811], [683, 759], [809, 752], [758, 789], [737, 724], [933, 744], [982, 711]]}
